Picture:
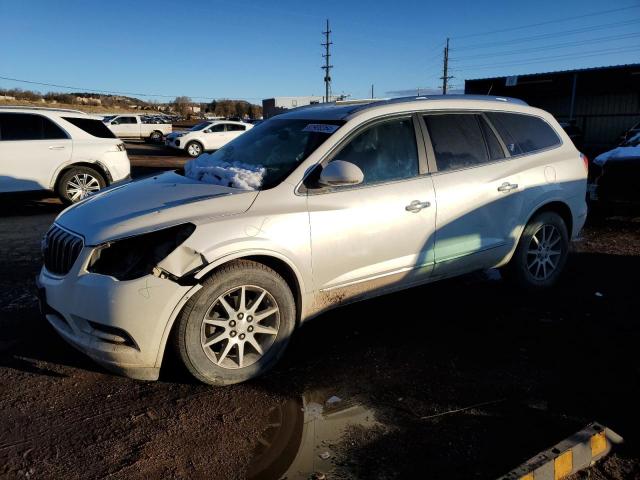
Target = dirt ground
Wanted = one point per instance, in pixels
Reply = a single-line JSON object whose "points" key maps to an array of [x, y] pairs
{"points": [[534, 369]]}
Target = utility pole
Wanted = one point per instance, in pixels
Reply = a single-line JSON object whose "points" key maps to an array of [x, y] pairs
{"points": [[327, 66], [445, 69], [372, 91]]}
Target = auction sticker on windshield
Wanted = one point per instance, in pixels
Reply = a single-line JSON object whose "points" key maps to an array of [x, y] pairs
{"points": [[320, 128]]}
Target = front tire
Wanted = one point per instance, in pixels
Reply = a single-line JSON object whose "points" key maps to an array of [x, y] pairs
{"points": [[541, 254], [194, 149], [237, 326], [77, 183]]}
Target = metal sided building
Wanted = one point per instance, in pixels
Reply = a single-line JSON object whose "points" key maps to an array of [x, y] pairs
{"points": [[603, 101], [274, 106]]}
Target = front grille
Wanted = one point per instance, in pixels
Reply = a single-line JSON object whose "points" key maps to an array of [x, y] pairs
{"points": [[60, 249]]}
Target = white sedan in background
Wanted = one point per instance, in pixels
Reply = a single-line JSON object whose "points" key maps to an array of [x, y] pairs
{"points": [[206, 136]]}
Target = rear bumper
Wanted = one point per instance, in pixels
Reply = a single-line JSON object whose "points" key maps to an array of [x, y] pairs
{"points": [[117, 164]]}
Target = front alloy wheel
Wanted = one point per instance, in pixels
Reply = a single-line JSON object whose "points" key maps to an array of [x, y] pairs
{"points": [[240, 326], [237, 325], [194, 149]]}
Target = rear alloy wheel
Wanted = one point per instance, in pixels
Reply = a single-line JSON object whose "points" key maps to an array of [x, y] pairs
{"points": [[194, 149], [237, 326], [78, 183], [541, 253], [156, 136]]}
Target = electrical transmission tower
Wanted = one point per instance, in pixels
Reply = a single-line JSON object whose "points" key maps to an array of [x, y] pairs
{"points": [[445, 69], [327, 65]]}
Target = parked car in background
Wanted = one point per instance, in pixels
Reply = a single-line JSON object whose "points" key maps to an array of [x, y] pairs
{"points": [[315, 208], [206, 136], [132, 127], [65, 151], [616, 175]]}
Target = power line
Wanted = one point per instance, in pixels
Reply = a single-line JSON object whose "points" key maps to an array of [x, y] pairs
{"points": [[548, 35], [548, 47], [111, 92], [548, 22], [557, 57]]}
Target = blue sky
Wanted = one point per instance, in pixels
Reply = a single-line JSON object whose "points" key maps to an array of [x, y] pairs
{"points": [[257, 49]]}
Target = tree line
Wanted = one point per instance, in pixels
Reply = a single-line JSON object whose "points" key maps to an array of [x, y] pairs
{"points": [[220, 108]]}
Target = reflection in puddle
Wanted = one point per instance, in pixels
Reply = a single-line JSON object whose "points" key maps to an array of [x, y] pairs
{"points": [[302, 434]]}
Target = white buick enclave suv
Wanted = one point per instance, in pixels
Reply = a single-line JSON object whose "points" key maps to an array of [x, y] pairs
{"points": [[66, 151], [314, 208]]}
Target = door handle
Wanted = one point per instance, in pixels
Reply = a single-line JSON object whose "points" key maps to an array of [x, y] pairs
{"points": [[507, 187], [416, 205], [56, 147]]}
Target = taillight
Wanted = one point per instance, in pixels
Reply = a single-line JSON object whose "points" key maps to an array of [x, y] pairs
{"points": [[585, 160]]}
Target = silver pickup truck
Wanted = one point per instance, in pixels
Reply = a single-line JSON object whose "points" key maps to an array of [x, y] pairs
{"points": [[131, 126]]}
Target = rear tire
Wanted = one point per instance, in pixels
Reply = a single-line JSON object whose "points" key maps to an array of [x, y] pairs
{"points": [[226, 334], [541, 253], [78, 183], [194, 149], [155, 137]]}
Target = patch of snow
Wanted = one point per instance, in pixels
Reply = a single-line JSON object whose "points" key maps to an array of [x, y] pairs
{"points": [[617, 153], [229, 174]]}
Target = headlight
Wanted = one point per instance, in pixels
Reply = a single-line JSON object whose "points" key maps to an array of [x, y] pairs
{"points": [[134, 257]]}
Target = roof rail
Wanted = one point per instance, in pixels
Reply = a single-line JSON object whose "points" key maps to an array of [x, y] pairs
{"points": [[457, 96], [48, 109]]}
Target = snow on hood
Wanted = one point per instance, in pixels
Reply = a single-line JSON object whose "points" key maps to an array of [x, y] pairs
{"points": [[617, 153], [235, 174]]}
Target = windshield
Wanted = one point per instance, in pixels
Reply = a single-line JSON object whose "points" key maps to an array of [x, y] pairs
{"points": [[275, 148], [108, 118], [199, 126]]}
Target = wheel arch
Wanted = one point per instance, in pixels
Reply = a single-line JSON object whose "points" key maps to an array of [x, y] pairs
{"points": [[278, 263], [554, 205], [94, 165], [559, 207]]}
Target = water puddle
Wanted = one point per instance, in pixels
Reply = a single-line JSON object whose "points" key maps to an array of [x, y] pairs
{"points": [[303, 437]]}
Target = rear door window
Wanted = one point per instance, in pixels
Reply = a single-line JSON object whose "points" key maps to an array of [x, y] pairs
{"points": [[232, 127], [93, 127], [26, 126], [457, 141], [523, 133]]}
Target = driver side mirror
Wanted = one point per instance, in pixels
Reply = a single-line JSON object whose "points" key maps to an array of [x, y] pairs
{"points": [[339, 173], [115, 122]]}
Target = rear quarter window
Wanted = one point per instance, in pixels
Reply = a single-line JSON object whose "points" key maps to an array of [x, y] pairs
{"points": [[523, 133], [93, 127]]}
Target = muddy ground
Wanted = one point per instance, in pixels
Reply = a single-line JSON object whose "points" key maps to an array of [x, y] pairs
{"points": [[537, 368]]}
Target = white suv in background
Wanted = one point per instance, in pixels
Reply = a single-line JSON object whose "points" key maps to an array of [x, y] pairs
{"points": [[315, 208], [65, 151], [206, 136]]}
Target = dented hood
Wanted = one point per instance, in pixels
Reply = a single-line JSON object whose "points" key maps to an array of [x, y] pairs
{"points": [[150, 204]]}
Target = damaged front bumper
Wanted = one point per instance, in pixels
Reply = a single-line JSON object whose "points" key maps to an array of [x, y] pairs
{"points": [[122, 325]]}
